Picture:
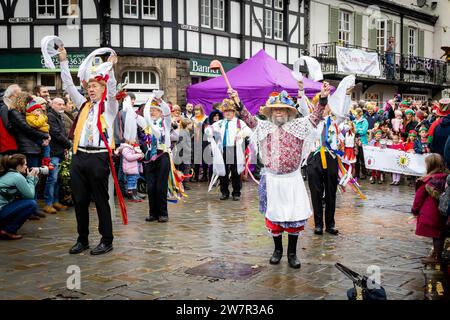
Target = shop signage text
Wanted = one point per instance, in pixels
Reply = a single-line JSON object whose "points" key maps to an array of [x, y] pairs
{"points": [[20, 20], [200, 67]]}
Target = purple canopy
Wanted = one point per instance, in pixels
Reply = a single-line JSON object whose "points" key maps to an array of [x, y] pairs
{"points": [[255, 79]]}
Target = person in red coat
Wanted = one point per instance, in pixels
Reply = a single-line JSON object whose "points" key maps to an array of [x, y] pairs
{"points": [[430, 223]]}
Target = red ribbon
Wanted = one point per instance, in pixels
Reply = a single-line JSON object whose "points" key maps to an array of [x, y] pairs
{"points": [[123, 208]]}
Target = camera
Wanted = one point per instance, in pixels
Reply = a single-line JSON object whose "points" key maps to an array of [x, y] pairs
{"points": [[42, 170]]}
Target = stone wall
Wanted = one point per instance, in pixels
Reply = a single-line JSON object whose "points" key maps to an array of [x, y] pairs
{"points": [[26, 80], [173, 74]]}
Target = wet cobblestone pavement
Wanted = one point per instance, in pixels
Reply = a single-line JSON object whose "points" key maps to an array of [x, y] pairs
{"points": [[185, 258]]}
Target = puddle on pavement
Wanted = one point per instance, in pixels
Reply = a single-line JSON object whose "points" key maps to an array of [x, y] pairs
{"points": [[225, 270]]}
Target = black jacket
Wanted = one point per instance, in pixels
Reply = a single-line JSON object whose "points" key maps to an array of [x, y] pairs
{"points": [[27, 138], [59, 142], [441, 133]]}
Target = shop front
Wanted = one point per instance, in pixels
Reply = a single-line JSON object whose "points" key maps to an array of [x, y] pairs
{"points": [[200, 71]]}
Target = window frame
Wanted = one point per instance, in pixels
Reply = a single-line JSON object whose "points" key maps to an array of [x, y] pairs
{"points": [[64, 15], [220, 15], [382, 45], [39, 80], [124, 5], [414, 44], [147, 17], [341, 31], [46, 5], [142, 85], [277, 20], [203, 12]]}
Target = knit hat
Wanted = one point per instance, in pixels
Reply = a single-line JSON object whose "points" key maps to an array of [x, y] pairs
{"points": [[379, 131], [32, 105], [370, 106], [405, 104], [40, 100], [409, 111], [423, 129], [412, 133], [279, 100]]}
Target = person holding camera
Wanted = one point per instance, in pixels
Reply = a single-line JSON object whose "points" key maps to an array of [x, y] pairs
{"points": [[17, 189]]}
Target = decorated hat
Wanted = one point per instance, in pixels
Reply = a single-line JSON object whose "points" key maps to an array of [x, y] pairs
{"points": [[423, 129], [378, 132], [412, 133], [227, 105], [405, 104], [409, 111], [33, 105], [443, 108], [279, 100]]}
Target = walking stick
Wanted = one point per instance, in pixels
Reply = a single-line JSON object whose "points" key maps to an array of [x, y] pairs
{"points": [[217, 65]]}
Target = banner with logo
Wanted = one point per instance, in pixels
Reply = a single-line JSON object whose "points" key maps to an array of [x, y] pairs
{"points": [[396, 161], [358, 61]]}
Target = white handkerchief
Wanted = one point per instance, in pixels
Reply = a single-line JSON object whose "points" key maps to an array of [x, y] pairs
{"points": [[314, 68], [84, 72], [48, 49], [338, 103]]}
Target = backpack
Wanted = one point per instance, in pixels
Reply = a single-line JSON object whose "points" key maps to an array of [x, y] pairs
{"points": [[444, 200]]}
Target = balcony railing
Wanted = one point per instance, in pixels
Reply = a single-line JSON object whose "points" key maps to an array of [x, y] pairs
{"points": [[405, 68]]}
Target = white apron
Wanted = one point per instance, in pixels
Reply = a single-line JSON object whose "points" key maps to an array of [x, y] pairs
{"points": [[287, 200]]}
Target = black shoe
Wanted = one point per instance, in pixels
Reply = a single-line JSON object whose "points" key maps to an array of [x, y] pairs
{"points": [[276, 257], [78, 248], [236, 198], [372, 182], [163, 219], [332, 231], [101, 249], [40, 214], [224, 197], [151, 218], [318, 231], [293, 261]]}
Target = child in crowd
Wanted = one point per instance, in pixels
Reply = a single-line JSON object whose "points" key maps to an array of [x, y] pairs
{"points": [[410, 141], [397, 144], [349, 145], [131, 154], [421, 145], [36, 118], [397, 122], [183, 149], [430, 223], [376, 142]]}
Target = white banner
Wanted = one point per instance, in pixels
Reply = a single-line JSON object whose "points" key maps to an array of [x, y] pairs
{"points": [[357, 61], [396, 161]]}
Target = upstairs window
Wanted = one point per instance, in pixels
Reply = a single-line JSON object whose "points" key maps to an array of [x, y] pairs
{"points": [[345, 19], [274, 19], [69, 8], [381, 35], [149, 9], [46, 9], [130, 8], [214, 9], [412, 41]]}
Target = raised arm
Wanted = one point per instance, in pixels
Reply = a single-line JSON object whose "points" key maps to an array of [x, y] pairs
{"points": [[111, 85], [167, 121], [77, 98], [317, 115], [245, 115]]}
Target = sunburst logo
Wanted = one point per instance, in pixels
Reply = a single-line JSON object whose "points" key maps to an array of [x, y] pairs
{"points": [[403, 161]]}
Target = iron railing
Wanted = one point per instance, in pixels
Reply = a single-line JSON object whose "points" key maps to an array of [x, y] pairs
{"points": [[406, 68]]}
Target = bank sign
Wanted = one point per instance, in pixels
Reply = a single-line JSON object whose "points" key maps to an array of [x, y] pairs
{"points": [[200, 67], [34, 62]]}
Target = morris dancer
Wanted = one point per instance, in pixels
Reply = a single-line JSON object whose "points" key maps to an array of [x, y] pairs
{"points": [[92, 142], [283, 197], [155, 143], [231, 133]]}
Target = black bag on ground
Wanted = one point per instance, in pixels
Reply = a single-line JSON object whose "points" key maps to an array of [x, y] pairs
{"points": [[360, 290]]}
